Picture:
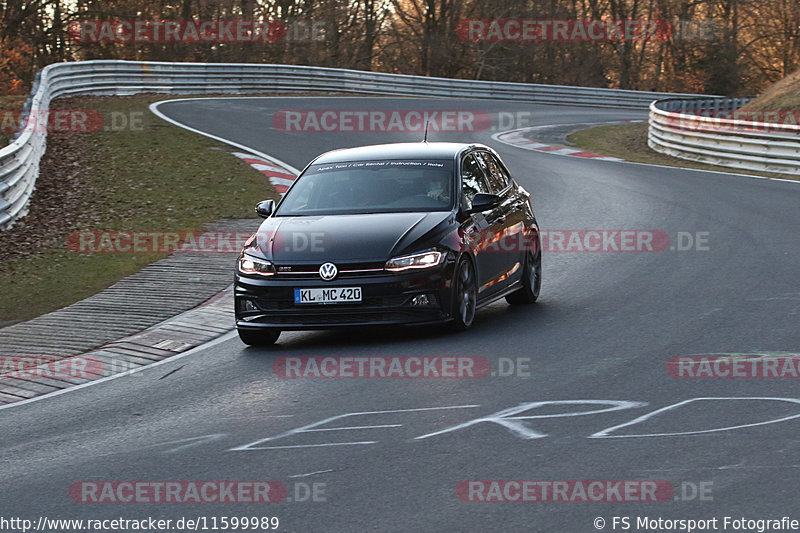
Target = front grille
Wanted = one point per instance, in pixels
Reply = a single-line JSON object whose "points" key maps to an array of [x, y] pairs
{"points": [[346, 270]]}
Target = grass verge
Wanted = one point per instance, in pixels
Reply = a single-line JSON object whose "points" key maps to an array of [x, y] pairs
{"points": [[629, 142], [148, 176]]}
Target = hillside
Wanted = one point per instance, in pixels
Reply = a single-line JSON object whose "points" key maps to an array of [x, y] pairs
{"points": [[782, 96]]}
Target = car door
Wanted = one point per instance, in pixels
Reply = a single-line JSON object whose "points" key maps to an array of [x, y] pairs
{"points": [[484, 228], [511, 244]]}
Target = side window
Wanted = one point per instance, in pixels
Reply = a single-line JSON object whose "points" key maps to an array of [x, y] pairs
{"points": [[498, 179], [473, 180]]}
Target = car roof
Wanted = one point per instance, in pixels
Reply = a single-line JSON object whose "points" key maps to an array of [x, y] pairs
{"points": [[417, 150]]}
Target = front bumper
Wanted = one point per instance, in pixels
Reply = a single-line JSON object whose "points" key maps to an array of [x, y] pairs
{"points": [[387, 298]]}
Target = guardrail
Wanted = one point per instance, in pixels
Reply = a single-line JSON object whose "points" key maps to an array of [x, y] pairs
{"points": [[678, 129], [19, 161]]}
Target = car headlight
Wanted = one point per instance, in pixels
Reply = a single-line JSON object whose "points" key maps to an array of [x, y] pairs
{"points": [[251, 266], [427, 259]]}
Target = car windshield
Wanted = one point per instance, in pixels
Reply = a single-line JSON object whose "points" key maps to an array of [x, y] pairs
{"points": [[356, 187]]}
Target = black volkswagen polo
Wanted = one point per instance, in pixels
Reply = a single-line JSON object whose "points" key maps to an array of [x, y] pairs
{"points": [[407, 233]]}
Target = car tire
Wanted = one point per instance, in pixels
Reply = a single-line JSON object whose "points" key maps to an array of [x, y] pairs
{"points": [[531, 279], [465, 294], [265, 337]]}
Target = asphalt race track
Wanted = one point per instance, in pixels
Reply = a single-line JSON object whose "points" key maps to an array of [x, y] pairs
{"points": [[600, 337]]}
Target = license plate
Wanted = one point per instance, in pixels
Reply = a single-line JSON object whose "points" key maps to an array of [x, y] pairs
{"points": [[327, 296]]}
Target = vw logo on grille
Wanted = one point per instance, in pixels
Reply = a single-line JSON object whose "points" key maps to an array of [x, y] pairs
{"points": [[328, 271]]}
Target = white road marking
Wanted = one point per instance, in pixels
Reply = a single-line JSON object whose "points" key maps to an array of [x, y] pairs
{"points": [[606, 433], [312, 473], [307, 445], [506, 419], [357, 427], [189, 443], [513, 420], [312, 427]]}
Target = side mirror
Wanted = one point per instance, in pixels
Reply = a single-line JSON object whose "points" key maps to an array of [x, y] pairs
{"points": [[264, 209], [483, 202]]}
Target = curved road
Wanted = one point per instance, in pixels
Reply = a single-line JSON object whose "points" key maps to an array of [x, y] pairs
{"points": [[603, 331]]}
